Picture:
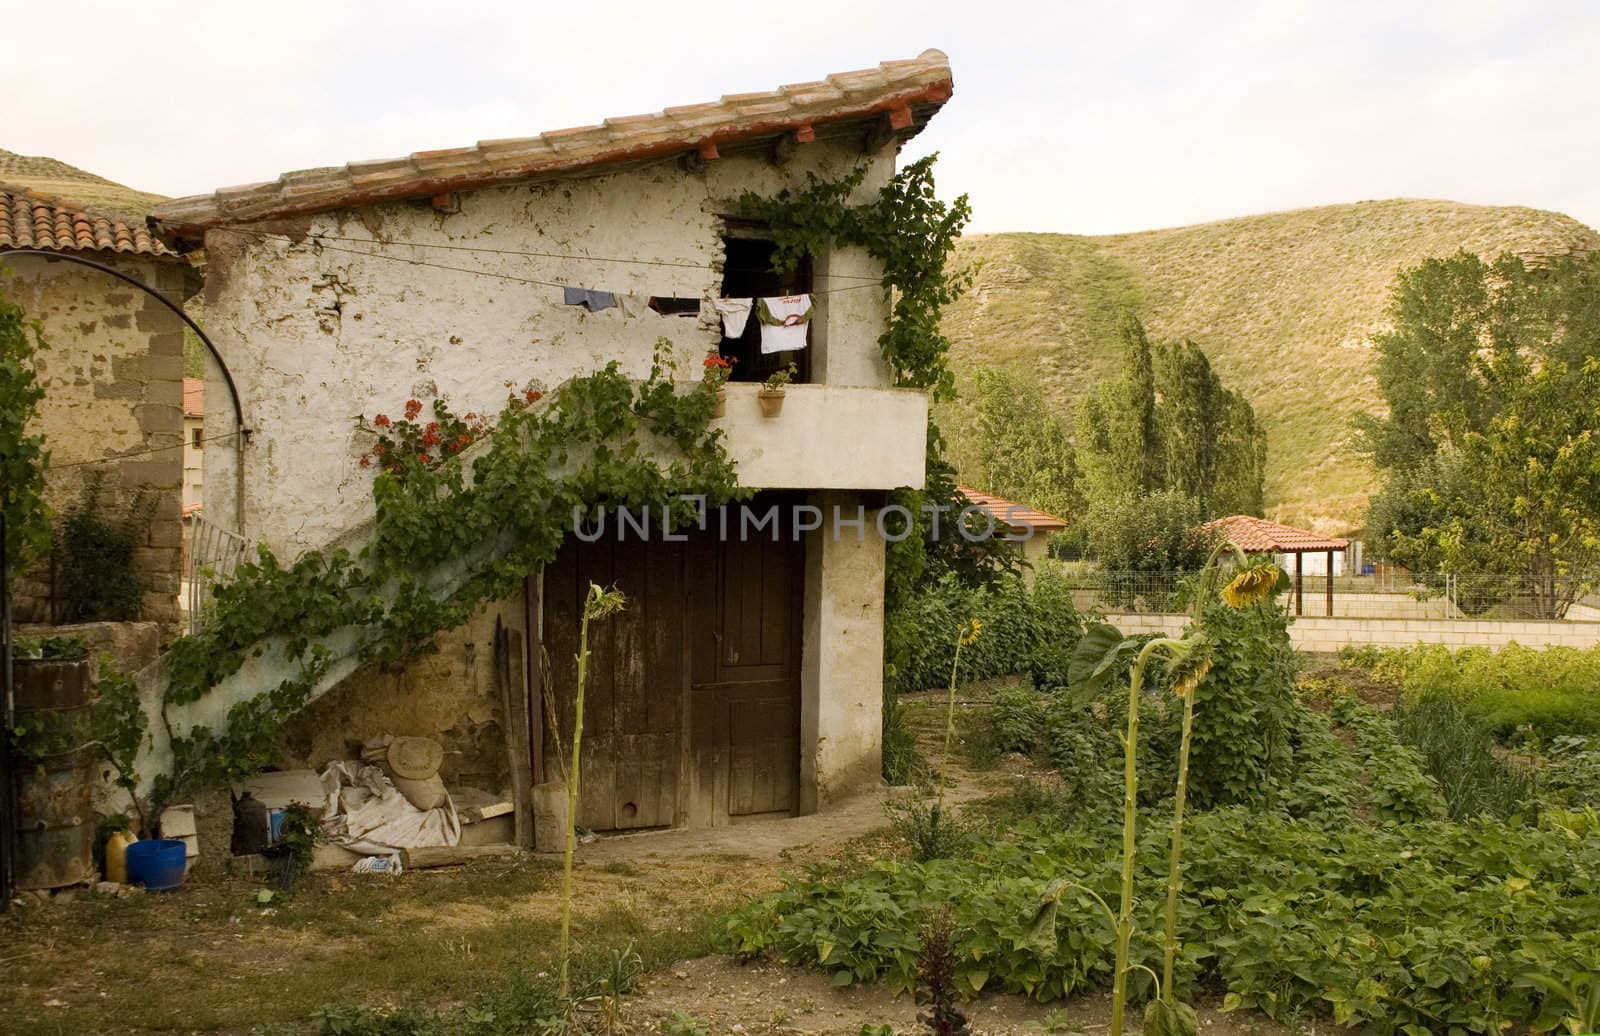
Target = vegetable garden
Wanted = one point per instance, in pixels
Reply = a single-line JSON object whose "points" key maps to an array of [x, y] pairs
{"points": [[1430, 869]]}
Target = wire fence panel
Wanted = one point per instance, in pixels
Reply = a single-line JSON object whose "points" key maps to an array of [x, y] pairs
{"points": [[1464, 596], [214, 556]]}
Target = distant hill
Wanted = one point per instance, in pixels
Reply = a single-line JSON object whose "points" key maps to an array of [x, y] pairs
{"points": [[56, 179], [1285, 305]]}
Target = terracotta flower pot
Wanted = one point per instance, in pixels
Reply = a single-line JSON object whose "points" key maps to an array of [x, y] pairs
{"points": [[771, 401], [720, 407]]}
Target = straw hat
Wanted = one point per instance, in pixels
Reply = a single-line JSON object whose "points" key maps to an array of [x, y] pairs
{"points": [[415, 758]]}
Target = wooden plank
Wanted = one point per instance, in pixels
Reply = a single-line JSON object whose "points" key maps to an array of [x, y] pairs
{"points": [[519, 732], [423, 857]]}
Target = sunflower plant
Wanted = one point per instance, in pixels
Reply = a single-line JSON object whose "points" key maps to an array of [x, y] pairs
{"points": [[1100, 655]]}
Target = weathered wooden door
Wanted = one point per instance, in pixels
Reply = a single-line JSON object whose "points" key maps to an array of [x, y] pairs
{"points": [[692, 711], [745, 601], [632, 752]]}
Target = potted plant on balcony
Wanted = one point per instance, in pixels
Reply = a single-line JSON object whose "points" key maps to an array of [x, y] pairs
{"points": [[716, 373], [771, 394]]}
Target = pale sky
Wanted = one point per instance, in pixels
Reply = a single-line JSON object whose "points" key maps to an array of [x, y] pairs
{"points": [[1071, 117]]}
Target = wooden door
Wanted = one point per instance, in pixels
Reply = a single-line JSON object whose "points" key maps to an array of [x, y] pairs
{"points": [[631, 738], [745, 602]]}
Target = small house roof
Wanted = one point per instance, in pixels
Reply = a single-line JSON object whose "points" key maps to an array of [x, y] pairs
{"points": [[194, 397], [1010, 512], [906, 93], [1259, 536], [30, 220]]}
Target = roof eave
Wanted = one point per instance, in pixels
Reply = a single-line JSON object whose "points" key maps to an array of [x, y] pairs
{"points": [[191, 217]]}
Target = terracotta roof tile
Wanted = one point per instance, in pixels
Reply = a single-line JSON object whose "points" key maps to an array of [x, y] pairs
{"points": [[1010, 512], [29, 220], [921, 84], [1259, 536]]}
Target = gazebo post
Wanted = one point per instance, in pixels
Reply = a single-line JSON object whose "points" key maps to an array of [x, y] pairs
{"points": [[1299, 584], [1330, 584]]}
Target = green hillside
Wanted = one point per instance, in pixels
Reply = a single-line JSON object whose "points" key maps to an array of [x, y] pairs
{"points": [[1285, 305]]}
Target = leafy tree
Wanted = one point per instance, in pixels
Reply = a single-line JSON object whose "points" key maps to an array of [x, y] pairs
{"points": [[1025, 451], [1169, 423], [1211, 446], [1118, 433], [1489, 454], [22, 456], [1144, 542]]}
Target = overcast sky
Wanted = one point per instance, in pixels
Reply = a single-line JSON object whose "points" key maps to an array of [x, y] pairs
{"points": [[1084, 118]]}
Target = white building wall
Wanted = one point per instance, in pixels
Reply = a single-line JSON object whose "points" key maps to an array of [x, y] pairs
{"points": [[320, 335]]}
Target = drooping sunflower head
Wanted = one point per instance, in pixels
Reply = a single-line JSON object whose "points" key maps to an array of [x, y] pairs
{"points": [[1251, 585], [970, 630], [1188, 677]]}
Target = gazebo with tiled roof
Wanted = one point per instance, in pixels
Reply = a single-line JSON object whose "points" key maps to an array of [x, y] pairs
{"points": [[1259, 536]]}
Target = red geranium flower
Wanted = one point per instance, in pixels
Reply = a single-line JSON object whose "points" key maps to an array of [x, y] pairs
{"points": [[413, 408], [366, 460], [533, 395], [382, 421]]}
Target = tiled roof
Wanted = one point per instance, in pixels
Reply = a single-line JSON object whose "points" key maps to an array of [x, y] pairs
{"points": [[194, 397], [28, 220], [1259, 536], [906, 93], [1010, 512]]}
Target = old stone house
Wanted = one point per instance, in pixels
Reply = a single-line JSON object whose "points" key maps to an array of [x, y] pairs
{"points": [[745, 679], [112, 374]]}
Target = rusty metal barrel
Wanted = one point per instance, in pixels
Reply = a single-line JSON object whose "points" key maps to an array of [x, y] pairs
{"points": [[55, 772]]}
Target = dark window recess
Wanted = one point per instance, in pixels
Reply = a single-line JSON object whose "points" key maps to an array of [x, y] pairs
{"points": [[747, 273]]}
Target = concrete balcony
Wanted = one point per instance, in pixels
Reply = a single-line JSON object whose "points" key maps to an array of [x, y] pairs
{"points": [[828, 437]]}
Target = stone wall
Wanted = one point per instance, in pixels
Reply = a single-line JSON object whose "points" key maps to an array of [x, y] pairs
{"points": [[1320, 635], [113, 404], [451, 695]]}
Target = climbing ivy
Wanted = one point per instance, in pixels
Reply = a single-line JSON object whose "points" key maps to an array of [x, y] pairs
{"points": [[909, 230], [499, 510]]}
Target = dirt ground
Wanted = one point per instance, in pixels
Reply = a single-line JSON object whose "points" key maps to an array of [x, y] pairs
{"points": [[730, 997], [227, 953]]}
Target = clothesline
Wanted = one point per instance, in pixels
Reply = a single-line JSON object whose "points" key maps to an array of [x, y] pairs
{"points": [[783, 318]]}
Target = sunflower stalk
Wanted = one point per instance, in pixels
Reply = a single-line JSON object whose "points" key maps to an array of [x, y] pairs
{"points": [[598, 604]]}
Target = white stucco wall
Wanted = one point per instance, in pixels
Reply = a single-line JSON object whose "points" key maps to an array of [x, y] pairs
{"points": [[841, 672], [319, 335]]}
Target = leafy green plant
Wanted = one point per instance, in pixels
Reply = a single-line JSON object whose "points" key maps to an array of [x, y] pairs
{"points": [[1458, 753], [903, 762], [908, 229], [927, 828], [99, 582], [680, 1023], [298, 838], [23, 456], [780, 378]]}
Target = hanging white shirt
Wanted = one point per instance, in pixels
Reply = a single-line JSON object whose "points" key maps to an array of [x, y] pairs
{"points": [[735, 314], [783, 322]]}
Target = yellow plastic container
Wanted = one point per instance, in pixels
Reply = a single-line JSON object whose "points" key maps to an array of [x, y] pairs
{"points": [[117, 856]]}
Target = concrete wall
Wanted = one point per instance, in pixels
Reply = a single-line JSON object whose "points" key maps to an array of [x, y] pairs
{"points": [[319, 335], [113, 382], [841, 673], [1327, 636]]}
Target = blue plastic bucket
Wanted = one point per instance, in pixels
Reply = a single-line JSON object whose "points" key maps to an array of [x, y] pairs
{"points": [[157, 864]]}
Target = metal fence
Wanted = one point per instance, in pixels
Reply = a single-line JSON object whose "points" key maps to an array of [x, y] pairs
{"points": [[214, 555], [1463, 596]]}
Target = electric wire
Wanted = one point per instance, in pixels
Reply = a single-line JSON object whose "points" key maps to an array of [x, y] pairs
{"points": [[512, 278], [141, 453], [529, 254]]}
